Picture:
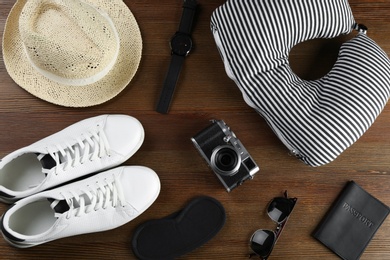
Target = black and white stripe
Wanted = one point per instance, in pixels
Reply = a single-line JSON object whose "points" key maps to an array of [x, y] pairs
{"points": [[317, 120]]}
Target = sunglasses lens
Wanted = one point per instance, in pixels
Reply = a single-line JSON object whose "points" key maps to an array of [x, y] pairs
{"points": [[279, 209], [262, 242]]}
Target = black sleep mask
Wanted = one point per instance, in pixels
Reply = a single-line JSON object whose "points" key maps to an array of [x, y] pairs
{"points": [[181, 232]]}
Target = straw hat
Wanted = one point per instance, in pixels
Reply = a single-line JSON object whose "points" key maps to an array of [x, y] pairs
{"points": [[73, 53]]}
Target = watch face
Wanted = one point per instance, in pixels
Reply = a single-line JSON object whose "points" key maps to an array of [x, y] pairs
{"points": [[181, 44]]}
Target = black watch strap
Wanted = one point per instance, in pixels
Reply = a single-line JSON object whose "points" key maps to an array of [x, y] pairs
{"points": [[172, 76], [170, 83], [187, 18]]}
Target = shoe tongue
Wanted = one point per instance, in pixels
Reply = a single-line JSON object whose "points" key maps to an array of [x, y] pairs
{"points": [[47, 162], [61, 207]]}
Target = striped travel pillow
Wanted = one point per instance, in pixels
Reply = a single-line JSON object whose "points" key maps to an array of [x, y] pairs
{"points": [[316, 120]]}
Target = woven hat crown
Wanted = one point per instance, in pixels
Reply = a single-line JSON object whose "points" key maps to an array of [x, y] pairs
{"points": [[68, 41]]}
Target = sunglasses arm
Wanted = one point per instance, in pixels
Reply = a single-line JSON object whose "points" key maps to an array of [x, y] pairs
{"points": [[279, 229], [280, 226], [253, 254]]}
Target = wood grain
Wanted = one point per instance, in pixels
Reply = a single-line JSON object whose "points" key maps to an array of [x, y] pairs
{"points": [[205, 92]]}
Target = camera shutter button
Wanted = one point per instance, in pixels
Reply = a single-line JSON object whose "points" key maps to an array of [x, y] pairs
{"points": [[227, 138]]}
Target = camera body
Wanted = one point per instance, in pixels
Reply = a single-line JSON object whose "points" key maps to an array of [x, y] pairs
{"points": [[225, 154]]}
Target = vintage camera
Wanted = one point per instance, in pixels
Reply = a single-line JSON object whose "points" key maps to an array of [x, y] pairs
{"points": [[225, 154]]}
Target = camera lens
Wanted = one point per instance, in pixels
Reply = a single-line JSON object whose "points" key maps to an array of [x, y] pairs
{"points": [[225, 160]]}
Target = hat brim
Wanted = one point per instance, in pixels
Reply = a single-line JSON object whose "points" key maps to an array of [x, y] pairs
{"points": [[27, 77]]}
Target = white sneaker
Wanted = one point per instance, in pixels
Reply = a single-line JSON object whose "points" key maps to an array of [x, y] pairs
{"points": [[102, 202], [91, 145]]}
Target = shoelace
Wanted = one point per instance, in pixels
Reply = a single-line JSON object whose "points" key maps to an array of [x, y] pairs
{"points": [[88, 147], [101, 196]]}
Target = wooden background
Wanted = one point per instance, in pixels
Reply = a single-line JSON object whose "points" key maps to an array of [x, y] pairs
{"points": [[205, 92]]}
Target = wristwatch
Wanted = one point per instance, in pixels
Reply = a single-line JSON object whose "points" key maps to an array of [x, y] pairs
{"points": [[181, 44]]}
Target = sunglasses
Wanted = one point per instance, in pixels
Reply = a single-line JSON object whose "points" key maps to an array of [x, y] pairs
{"points": [[263, 241]]}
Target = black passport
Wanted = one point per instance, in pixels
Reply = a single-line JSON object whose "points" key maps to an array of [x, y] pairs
{"points": [[351, 222]]}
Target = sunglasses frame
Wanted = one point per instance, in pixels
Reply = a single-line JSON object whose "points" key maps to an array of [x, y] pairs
{"points": [[280, 226]]}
